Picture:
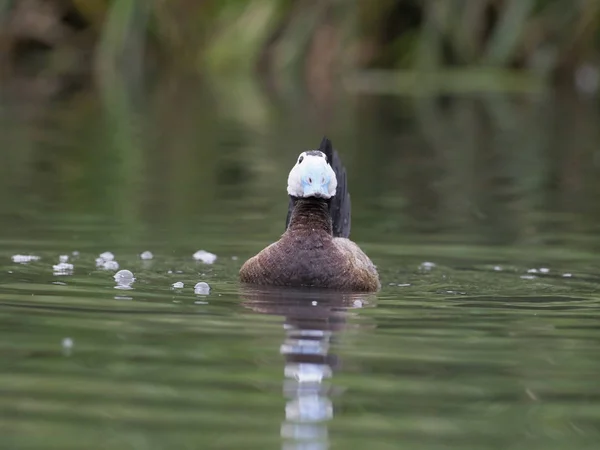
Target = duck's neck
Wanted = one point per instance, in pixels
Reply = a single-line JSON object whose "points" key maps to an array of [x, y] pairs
{"points": [[310, 214]]}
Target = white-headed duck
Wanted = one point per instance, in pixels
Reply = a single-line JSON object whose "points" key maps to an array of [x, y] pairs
{"points": [[315, 250]]}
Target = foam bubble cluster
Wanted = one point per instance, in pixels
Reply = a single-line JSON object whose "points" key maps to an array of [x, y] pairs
{"points": [[107, 261], [205, 257], [63, 268], [24, 259]]}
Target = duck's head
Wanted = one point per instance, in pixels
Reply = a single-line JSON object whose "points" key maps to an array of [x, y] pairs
{"points": [[312, 176]]}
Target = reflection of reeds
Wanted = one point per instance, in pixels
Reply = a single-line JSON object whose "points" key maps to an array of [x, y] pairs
{"points": [[314, 38], [170, 131]]}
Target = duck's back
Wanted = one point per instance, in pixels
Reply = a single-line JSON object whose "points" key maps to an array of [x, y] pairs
{"points": [[316, 260]]}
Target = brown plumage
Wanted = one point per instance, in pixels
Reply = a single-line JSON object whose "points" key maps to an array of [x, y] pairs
{"points": [[309, 255], [315, 250]]}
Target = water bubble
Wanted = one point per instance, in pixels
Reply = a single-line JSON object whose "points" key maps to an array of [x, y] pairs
{"points": [[123, 276], [75, 253], [544, 270], [357, 303], [205, 257], [528, 277], [314, 303], [146, 255], [427, 265], [178, 285], [106, 261], [110, 265], [63, 258], [567, 275], [202, 288], [24, 259], [67, 346], [124, 279], [63, 268], [107, 256], [498, 268], [532, 271]]}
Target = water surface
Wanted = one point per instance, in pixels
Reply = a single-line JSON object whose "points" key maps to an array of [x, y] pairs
{"points": [[480, 212]]}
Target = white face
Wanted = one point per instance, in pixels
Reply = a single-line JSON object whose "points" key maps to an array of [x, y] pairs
{"points": [[312, 176]]}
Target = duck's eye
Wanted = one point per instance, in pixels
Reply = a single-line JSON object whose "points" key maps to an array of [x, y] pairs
{"points": [[300, 159]]}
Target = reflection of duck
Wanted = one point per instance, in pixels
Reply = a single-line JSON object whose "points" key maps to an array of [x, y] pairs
{"points": [[313, 318], [315, 249]]}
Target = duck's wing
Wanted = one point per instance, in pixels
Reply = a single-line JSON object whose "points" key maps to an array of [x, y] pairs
{"points": [[339, 206], [291, 206]]}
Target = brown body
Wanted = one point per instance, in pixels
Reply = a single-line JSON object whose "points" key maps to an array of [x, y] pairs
{"points": [[308, 255]]}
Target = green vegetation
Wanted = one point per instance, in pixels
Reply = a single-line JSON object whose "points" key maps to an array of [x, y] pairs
{"points": [[546, 39]]}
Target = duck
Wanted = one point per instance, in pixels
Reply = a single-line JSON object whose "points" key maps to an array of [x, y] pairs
{"points": [[315, 249]]}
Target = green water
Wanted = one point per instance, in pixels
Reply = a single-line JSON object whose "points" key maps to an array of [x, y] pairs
{"points": [[493, 346]]}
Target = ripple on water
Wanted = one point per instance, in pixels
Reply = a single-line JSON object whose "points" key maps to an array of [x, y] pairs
{"points": [[335, 360]]}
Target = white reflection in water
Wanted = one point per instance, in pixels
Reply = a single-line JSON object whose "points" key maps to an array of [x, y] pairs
{"points": [[307, 372], [308, 404], [312, 321], [304, 347]]}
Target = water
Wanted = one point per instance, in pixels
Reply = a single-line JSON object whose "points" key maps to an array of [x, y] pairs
{"points": [[456, 200]]}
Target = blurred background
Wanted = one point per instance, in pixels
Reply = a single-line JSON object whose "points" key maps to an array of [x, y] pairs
{"points": [[461, 44], [452, 116], [469, 130]]}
